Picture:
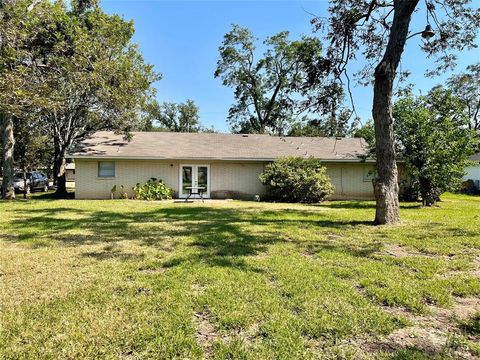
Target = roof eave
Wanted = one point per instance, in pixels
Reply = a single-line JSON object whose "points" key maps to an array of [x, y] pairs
{"points": [[110, 157]]}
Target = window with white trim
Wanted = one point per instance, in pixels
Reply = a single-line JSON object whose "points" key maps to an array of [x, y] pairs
{"points": [[106, 169]]}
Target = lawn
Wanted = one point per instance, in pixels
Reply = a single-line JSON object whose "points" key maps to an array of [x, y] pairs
{"points": [[242, 280]]}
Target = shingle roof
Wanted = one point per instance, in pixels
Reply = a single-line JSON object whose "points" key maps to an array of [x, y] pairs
{"points": [[169, 145]]}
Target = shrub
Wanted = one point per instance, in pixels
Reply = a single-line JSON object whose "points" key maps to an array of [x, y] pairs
{"points": [[295, 179], [153, 189], [409, 190]]}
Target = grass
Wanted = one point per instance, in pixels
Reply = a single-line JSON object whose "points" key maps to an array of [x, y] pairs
{"points": [[241, 280]]}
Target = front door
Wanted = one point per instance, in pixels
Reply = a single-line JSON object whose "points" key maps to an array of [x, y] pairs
{"points": [[194, 176]]}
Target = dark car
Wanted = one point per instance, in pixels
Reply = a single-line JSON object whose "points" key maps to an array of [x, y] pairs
{"points": [[36, 180]]}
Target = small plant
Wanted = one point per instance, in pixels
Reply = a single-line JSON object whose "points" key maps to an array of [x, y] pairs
{"points": [[123, 193], [113, 190], [295, 179], [153, 189]]}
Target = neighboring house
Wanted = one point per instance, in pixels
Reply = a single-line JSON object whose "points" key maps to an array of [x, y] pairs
{"points": [[70, 171], [226, 165], [473, 172]]}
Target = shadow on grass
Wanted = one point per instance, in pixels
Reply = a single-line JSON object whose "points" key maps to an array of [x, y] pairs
{"points": [[216, 236], [363, 205], [211, 235]]}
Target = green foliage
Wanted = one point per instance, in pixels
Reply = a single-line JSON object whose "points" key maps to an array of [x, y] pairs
{"points": [[337, 123], [181, 117], [367, 132], [270, 89], [71, 71], [434, 140], [33, 149], [465, 86], [153, 189], [295, 179]]}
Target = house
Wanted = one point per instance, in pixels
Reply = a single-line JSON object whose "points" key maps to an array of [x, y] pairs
{"points": [[473, 171], [70, 171], [226, 165]]}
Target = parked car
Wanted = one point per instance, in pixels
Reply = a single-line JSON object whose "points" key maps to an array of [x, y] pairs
{"points": [[36, 180]]}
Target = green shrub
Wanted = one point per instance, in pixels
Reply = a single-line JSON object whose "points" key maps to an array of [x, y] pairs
{"points": [[295, 179], [153, 189]]}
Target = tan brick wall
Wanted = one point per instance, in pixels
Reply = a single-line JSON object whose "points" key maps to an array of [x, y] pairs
{"points": [[226, 178], [236, 179], [350, 180], [127, 173]]}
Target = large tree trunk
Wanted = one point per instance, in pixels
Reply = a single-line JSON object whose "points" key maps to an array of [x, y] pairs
{"points": [[56, 156], [386, 183], [8, 141], [60, 177]]}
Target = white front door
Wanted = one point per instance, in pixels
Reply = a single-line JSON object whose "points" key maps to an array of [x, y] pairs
{"points": [[194, 176]]}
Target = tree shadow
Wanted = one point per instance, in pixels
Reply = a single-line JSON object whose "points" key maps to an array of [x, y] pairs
{"points": [[214, 236]]}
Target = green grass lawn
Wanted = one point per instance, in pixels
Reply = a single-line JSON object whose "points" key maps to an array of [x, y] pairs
{"points": [[242, 280]]}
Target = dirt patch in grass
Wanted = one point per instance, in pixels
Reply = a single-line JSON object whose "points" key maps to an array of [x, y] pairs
{"points": [[206, 334], [428, 333], [400, 251]]}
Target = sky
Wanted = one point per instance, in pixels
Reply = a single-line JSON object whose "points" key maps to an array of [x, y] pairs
{"points": [[181, 39]]}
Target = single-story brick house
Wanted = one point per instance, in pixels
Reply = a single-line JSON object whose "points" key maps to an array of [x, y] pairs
{"points": [[226, 165]]}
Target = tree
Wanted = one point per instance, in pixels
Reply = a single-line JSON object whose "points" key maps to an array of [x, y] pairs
{"points": [[181, 117], [366, 132], [379, 30], [434, 140], [466, 86], [18, 89], [270, 91], [336, 124], [96, 79]]}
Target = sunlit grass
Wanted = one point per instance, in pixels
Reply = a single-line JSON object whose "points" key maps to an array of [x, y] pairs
{"points": [[128, 279]]}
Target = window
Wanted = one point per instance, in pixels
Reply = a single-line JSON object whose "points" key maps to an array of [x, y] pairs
{"points": [[106, 169]]}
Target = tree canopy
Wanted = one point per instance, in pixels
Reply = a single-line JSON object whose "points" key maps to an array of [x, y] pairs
{"points": [[271, 90], [466, 86], [434, 140], [177, 117], [77, 71]]}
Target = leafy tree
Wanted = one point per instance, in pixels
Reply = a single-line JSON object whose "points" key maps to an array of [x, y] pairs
{"points": [[379, 30], [296, 179], [367, 132], [76, 69], [434, 140], [18, 88], [269, 90], [181, 117], [466, 86], [96, 79], [332, 125]]}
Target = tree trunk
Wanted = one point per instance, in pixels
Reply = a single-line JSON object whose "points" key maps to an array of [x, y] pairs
{"points": [[386, 183], [56, 156], [61, 180], [8, 141]]}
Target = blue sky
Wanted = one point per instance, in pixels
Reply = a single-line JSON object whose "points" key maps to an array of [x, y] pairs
{"points": [[181, 39]]}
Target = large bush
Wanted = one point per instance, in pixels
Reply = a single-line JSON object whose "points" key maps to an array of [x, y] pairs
{"points": [[153, 189], [295, 179]]}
